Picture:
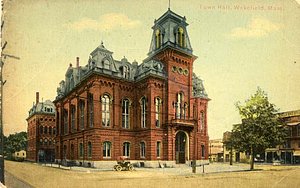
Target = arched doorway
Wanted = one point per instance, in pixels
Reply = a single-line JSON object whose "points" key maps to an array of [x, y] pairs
{"points": [[181, 147]]}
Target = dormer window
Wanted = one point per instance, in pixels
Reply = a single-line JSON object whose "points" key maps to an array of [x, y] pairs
{"points": [[106, 64], [180, 37], [158, 38], [126, 72]]}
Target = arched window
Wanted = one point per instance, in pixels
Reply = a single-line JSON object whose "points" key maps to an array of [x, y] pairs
{"points": [[54, 130], [143, 112], [46, 130], [157, 111], [82, 114], [126, 72], [53, 142], [41, 142], [89, 147], [91, 101], [73, 119], [158, 149], [106, 110], [125, 113], [80, 149], [66, 121], [41, 130], [180, 37], [50, 130], [106, 149], [178, 105], [143, 149], [50, 142], [126, 149], [46, 142], [202, 121]]}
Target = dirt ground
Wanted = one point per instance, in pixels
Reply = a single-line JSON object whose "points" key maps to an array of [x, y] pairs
{"points": [[41, 176]]}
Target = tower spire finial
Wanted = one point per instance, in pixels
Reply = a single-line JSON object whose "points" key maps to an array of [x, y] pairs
{"points": [[169, 4]]}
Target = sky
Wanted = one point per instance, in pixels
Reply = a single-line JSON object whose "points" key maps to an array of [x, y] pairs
{"points": [[241, 45]]}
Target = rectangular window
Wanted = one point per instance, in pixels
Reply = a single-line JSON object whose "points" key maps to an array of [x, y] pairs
{"points": [[80, 150], [126, 149], [202, 122], [91, 111], [143, 118], [89, 149], [73, 119], [202, 151], [158, 149], [66, 122], [82, 114], [157, 112], [106, 149], [125, 113], [143, 149], [298, 144], [298, 132]]}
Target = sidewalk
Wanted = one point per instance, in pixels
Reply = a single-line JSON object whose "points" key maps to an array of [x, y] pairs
{"points": [[178, 170]]}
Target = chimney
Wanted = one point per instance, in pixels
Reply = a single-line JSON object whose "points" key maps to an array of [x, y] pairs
{"points": [[37, 98], [70, 64], [77, 61]]}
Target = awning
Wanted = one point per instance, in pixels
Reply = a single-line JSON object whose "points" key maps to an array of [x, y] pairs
{"points": [[297, 153], [294, 123]]}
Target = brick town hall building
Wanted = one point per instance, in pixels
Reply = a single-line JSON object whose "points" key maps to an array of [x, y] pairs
{"points": [[152, 114]]}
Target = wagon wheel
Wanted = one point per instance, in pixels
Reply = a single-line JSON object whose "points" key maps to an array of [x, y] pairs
{"points": [[130, 168], [118, 168]]}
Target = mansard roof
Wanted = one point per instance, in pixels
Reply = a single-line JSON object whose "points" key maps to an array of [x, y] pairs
{"points": [[168, 26], [101, 59], [46, 107]]}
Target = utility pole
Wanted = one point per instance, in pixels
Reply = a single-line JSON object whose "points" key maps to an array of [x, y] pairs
{"points": [[2, 61]]}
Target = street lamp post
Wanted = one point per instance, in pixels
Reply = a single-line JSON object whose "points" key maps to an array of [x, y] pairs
{"points": [[210, 158]]}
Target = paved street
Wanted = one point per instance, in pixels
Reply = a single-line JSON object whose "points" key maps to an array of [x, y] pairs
{"points": [[12, 182], [268, 176]]}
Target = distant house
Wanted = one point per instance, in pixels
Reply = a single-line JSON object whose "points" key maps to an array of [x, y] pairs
{"points": [[238, 157], [20, 154], [216, 150]]}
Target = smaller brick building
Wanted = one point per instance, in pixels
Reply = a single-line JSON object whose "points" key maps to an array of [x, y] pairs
{"points": [[289, 152], [41, 131]]}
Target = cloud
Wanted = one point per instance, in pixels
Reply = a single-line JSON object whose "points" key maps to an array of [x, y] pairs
{"points": [[258, 27], [106, 22]]}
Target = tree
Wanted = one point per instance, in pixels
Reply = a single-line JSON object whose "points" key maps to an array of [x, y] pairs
{"points": [[261, 127], [15, 142]]}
